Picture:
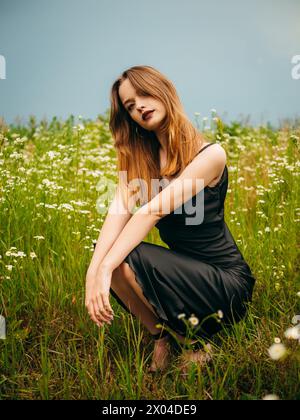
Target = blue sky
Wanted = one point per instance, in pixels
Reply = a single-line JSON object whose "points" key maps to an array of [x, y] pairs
{"points": [[62, 56]]}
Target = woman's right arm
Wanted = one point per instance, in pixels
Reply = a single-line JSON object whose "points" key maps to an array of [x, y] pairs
{"points": [[117, 217], [119, 213]]}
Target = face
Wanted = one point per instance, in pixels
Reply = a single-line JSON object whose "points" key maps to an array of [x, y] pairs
{"points": [[136, 105]]}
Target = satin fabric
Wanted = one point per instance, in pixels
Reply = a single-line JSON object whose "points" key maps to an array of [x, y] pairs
{"points": [[201, 273]]}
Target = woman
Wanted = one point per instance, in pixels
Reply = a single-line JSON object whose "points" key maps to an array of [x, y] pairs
{"points": [[203, 272]]}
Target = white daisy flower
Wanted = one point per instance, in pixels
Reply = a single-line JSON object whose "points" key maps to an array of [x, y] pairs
{"points": [[271, 397], [293, 333], [277, 351], [296, 319], [220, 314], [193, 320]]}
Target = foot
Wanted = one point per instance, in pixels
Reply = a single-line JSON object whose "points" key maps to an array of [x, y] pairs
{"points": [[161, 354], [199, 357]]}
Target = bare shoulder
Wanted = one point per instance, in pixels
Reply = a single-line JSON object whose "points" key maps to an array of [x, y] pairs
{"points": [[215, 153], [209, 164], [217, 150]]}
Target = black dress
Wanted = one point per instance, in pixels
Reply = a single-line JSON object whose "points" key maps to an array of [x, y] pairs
{"points": [[202, 272]]}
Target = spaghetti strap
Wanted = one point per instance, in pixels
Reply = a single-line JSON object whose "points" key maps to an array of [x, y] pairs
{"points": [[209, 144]]}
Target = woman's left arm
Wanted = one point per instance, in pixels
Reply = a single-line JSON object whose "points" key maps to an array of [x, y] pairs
{"points": [[203, 169]]}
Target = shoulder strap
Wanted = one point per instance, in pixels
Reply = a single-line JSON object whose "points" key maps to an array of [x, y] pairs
{"points": [[209, 144]]}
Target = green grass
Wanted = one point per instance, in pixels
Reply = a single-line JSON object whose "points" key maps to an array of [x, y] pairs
{"points": [[54, 351]]}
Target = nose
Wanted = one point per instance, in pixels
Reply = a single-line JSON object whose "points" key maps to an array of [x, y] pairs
{"points": [[140, 105]]}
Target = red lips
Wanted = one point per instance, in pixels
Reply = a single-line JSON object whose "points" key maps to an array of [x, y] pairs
{"points": [[146, 113]]}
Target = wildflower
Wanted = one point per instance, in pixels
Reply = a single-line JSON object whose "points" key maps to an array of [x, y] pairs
{"points": [[15, 254], [38, 237], [193, 320], [298, 294], [296, 319], [21, 254], [79, 203], [220, 314], [267, 229], [33, 255], [66, 206], [271, 397], [181, 316], [51, 154], [293, 333], [78, 127], [9, 267], [277, 351], [277, 340]]}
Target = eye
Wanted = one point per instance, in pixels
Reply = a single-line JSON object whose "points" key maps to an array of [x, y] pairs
{"points": [[129, 108]]}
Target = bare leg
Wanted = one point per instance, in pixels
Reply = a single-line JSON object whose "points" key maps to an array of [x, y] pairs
{"points": [[123, 277], [125, 286], [129, 291]]}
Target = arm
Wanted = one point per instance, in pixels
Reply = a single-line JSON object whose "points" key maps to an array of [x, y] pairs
{"points": [[120, 211], [117, 217], [204, 167]]}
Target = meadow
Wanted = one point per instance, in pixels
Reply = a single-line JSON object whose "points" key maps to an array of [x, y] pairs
{"points": [[51, 214]]}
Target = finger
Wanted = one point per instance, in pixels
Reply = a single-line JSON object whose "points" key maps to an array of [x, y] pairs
{"points": [[100, 314], [92, 314], [97, 312], [106, 304], [102, 311]]}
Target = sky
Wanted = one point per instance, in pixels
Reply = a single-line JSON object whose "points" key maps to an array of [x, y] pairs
{"points": [[61, 57]]}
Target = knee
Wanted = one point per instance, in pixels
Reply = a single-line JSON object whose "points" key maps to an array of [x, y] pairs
{"points": [[121, 273], [125, 270]]}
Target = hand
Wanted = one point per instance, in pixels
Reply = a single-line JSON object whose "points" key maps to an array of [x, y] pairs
{"points": [[97, 296]]}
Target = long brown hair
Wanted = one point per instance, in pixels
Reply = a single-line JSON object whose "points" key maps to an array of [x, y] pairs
{"points": [[137, 148]]}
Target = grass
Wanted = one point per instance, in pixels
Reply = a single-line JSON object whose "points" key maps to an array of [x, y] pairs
{"points": [[50, 173]]}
